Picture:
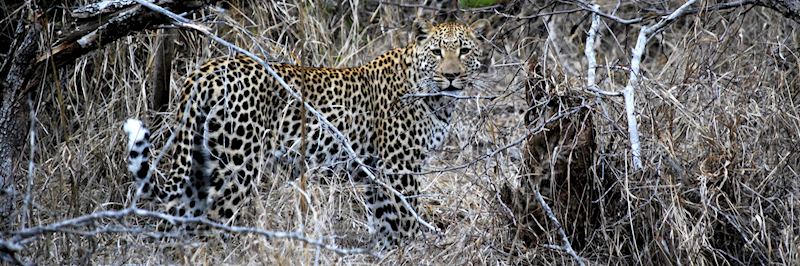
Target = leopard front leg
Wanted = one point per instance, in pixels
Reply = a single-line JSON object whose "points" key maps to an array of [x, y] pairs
{"points": [[392, 221]]}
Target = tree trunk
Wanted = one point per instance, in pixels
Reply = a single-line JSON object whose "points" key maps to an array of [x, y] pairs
{"points": [[22, 66], [21, 53], [162, 72], [789, 8]]}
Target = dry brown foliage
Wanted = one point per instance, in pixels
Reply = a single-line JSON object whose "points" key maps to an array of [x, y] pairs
{"points": [[718, 107]]}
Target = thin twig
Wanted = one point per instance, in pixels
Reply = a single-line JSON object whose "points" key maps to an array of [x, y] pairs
{"points": [[27, 199], [8, 252], [596, 10], [518, 141], [445, 94], [538, 15], [420, 6], [565, 244], [6, 245], [716, 7], [600, 92], [655, 29], [27, 235], [413, 6]]}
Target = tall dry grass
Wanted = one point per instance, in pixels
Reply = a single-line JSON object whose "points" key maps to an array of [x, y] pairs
{"points": [[718, 112]]}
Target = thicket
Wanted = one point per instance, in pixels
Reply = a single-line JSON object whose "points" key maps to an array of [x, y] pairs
{"points": [[717, 109]]}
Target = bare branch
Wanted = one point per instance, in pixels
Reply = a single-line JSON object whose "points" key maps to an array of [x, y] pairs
{"points": [[630, 102], [100, 8], [717, 7], [565, 244], [94, 35], [589, 50], [8, 252], [559, 12], [26, 200], [680, 12], [600, 92], [439, 9], [596, 10], [24, 236], [445, 94], [636, 59], [9, 246], [789, 8], [534, 130]]}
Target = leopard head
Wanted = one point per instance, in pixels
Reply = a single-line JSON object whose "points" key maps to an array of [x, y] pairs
{"points": [[448, 54]]}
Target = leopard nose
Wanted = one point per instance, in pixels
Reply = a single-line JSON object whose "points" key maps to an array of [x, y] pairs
{"points": [[451, 76]]}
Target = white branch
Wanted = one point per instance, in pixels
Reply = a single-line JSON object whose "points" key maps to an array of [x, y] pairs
{"points": [[100, 8], [28, 198], [186, 23], [589, 51], [27, 235], [652, 30], [591, 61], [630, 103], [566, 246], [636, 59]]}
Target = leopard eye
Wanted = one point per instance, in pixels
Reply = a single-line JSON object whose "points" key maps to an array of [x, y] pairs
{"points": [[464, 51], [437, 52]]}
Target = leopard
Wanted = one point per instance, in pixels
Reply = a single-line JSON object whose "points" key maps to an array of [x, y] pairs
{"points": [[394, 112]]}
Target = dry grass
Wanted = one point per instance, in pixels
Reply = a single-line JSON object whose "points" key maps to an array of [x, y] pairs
{"points": [[719, 113]]}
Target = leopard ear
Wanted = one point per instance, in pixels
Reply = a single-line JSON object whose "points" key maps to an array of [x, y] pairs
{"points": [[421, 28], [479, 26]]}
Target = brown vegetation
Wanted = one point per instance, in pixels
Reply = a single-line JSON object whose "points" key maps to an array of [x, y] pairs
{"points": [[718, 106], [558, 158]]}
